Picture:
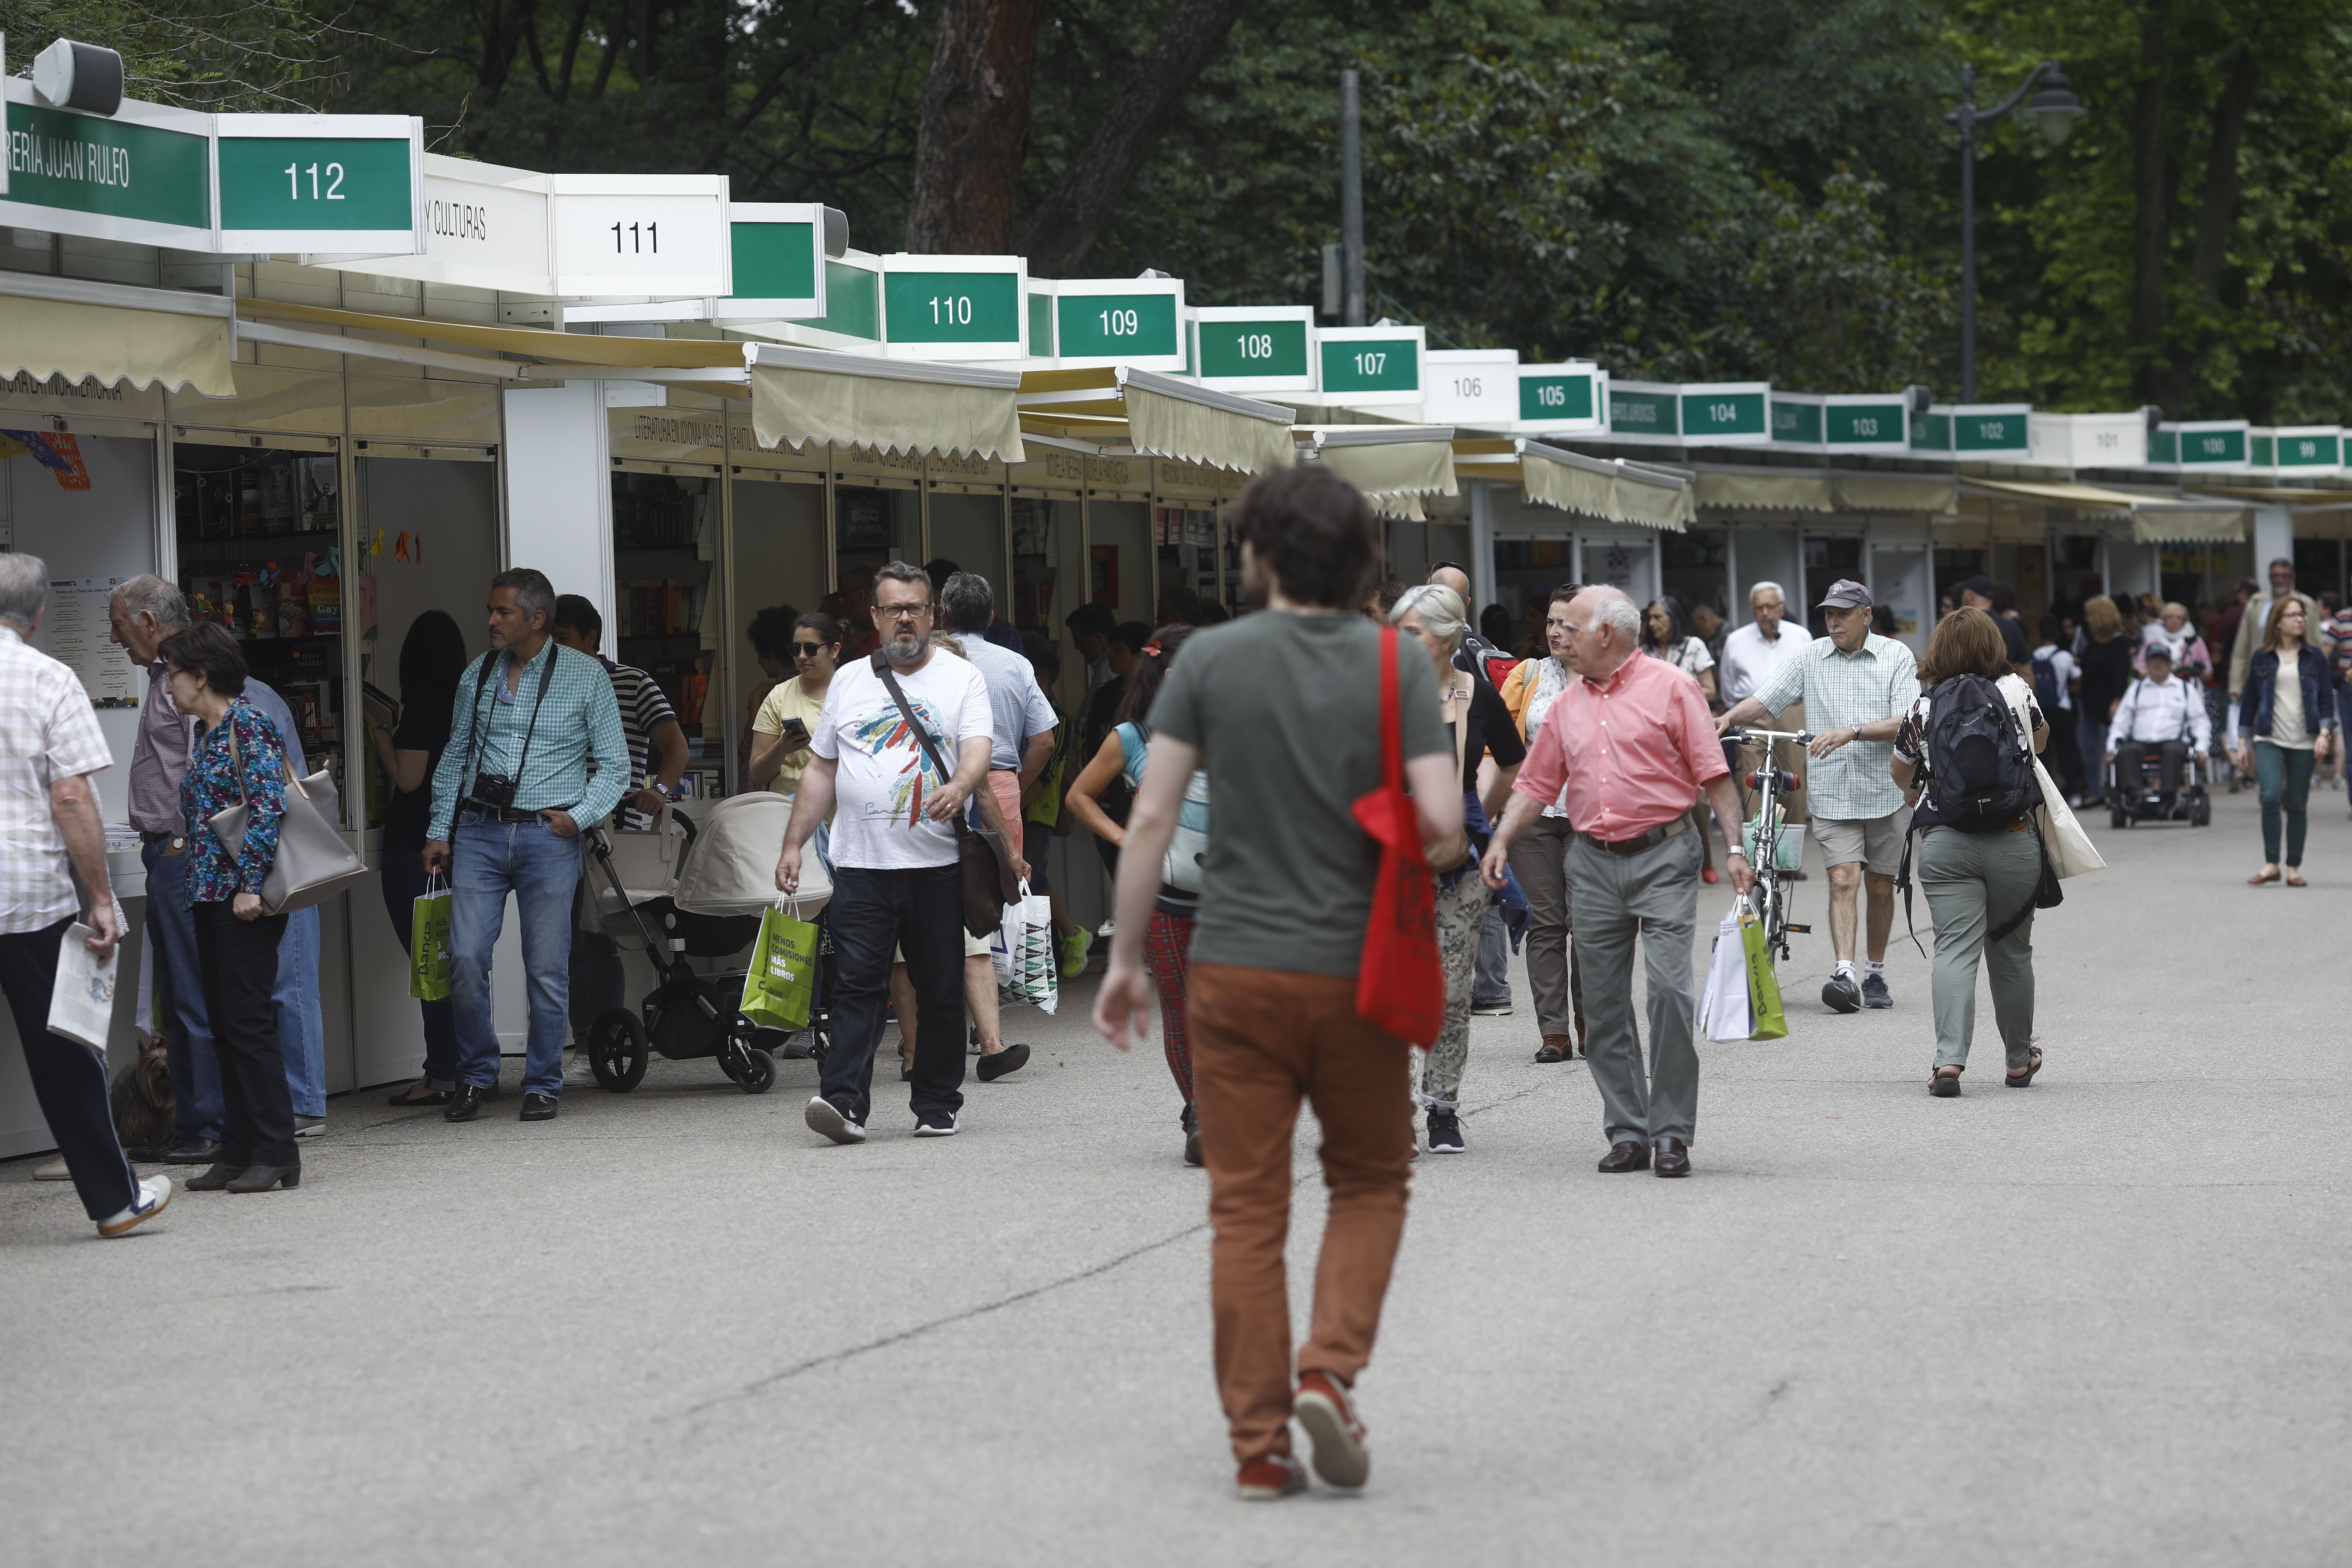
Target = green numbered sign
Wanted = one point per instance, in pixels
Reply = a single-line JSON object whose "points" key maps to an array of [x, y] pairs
{"points": [[1371, 365], [951, 308], [1116, 326], [315, 182], [1555, 397], [1268, 348]]}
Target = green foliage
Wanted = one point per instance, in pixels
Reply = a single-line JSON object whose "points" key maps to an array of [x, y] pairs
{"points": [[230, 54]]}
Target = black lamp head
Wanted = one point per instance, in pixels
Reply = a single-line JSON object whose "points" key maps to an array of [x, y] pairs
{"points": [[2055, 108]]}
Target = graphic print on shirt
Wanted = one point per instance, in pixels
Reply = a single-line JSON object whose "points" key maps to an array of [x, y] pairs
{"points": [[885, 736]]}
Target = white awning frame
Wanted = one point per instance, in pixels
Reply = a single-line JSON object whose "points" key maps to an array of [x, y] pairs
{"points": [[1389, 462]]}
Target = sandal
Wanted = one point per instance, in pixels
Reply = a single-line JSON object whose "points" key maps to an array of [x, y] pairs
{"points": [[2295, 879], [1944, 1084], [2032, 1066], [2270, 874]]}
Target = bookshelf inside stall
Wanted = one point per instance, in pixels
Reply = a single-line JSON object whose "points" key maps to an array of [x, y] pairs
{"points": [[257, 529], [665, 537]]}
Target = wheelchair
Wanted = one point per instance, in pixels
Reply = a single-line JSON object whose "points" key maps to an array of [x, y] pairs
{"points": [[2193, 804]]}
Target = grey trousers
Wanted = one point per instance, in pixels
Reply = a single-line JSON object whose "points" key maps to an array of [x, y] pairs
{"points": [[1491, 984], [1973, 882], [1539, 860], [1654, 896]]}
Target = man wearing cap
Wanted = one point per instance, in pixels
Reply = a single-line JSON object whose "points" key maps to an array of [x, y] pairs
{"points": [[1855, 686], [1981, 592], [2162, 715]]}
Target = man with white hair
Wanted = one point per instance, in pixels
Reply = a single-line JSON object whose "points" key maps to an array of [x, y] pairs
{"points": [[143, 612], [1749, 656], [46, 799], [1630, 745]]}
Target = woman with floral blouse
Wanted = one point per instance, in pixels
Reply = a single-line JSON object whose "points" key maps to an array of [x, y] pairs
{"points": [[236, 758]]}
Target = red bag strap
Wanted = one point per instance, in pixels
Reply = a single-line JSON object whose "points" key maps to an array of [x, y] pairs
{"points": [[1391, 728]]}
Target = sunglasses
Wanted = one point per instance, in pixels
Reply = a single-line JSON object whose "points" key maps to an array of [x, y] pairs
{"points": [[809, 649]]}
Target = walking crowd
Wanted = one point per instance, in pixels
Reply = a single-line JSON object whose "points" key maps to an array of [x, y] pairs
{"points": [[1354, 749]]}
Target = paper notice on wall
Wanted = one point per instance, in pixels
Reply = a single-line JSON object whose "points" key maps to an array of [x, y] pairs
{"points": [[74, 627]]}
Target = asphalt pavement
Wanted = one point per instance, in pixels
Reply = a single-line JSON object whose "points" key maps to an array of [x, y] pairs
{"points": [[2105, 1320]]}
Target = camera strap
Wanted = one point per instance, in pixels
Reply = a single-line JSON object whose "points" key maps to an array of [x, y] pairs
{"points": [[481, 735]]}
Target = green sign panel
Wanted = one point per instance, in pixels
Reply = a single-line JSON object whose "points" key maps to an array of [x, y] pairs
{"points": [[112, 168], [2301, 451], [953, 307], [851, 303], [315, 182], [1121, 326], [2218, 447], [1041, 325], [1555, 397], [1932, 432], [774, 260], [1369, 364], [1798, 422], [1988, 433], [1642, 412], [1268, 348], [1708, 414], [1864, 424]]}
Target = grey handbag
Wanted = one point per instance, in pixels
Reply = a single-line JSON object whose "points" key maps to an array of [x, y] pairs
{"points": [[314, 862]]}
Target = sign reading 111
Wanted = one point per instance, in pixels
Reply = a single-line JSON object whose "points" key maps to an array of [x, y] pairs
{"points": [[639, 244]]}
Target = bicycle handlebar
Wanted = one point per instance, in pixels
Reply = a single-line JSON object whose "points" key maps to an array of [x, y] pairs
{"points": [[1739, 735]]}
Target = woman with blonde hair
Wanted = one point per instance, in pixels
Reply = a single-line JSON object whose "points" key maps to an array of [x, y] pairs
{"points": [[1980, 883], [2104, 661], [2282, 729]]}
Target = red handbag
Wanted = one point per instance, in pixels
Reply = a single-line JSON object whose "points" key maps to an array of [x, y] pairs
{"points": [[1400, 983]]}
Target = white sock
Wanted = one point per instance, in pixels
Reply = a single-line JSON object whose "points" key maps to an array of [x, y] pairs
{"points": [[1876, 966], [1846, 967]]}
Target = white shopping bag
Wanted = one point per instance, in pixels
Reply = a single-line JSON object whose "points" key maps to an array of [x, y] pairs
{"points": [[1027, 968], [81, 1004], [1723, 1009]]}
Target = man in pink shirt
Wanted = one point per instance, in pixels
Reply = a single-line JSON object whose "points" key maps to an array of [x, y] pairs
{"points": [[1633, 744]]}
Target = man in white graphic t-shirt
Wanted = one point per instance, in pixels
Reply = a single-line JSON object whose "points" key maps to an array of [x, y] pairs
{"points": [[895, 880]]}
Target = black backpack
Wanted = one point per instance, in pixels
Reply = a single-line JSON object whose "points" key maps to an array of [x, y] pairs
{"points": [[2045, 681], [1980, 768]]}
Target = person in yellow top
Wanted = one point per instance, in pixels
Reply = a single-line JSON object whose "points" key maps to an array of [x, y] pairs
{"points": [[787, 718]]}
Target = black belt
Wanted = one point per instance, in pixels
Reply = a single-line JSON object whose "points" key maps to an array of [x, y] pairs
{"points": [[503, 813], [172, 843], [1640, 841]]}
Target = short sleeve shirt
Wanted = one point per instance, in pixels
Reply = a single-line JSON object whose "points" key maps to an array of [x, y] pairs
{"points": [[643, 707], [885, 778], [788, 699], [1014, 699], [50, 732], [1876, 682], [1491, 729]]}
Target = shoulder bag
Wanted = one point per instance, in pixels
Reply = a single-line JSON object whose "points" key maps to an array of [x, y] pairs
{"points": [[1400, 986], [314, 862], [988, 882]]}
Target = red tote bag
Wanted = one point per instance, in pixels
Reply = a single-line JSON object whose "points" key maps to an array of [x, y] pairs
{"points": [[1399, 984]]}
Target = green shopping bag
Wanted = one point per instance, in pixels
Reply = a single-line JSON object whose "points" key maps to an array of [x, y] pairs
{"points": [[428, 943], [780, 986], [1763, 985]]}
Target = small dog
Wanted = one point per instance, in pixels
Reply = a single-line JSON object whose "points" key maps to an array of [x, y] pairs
{"points": [[142, 1097]]}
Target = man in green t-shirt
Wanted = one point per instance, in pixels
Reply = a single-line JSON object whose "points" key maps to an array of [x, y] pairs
{"points": [[1282, 711]]}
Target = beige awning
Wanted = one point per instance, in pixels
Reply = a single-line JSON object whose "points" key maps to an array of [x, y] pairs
{"points": [[2163, 518], [1157, 415], [112, 334], [1389, 463], [1822, 490], [1612, 489], [799, 395], [2187, 524], [1892, 492], [2076, 497]]}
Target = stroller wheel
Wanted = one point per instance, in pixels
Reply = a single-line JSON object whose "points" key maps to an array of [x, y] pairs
{"points": [[759, 1074], [617, 1049]]}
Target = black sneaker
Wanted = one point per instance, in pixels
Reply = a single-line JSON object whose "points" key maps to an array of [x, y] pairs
{"points": [[1445, 1132], [824, 1116], [935, 1124], [1875, 992], [1841, 994], [1010, 1060], [1192, 1124]]}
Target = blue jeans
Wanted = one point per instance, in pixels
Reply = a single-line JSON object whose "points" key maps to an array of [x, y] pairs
{"points": [[2284, 775], [403, 871], [541, 869], [302, 1028], [2093, 733], [188, 1039]]}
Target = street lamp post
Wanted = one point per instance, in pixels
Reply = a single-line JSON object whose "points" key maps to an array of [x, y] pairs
{"points": [[2054, 109]]}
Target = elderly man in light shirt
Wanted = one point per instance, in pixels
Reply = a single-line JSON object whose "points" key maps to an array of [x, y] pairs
{"points": [[1855, 686], [1750, 654], [2162, 714]]}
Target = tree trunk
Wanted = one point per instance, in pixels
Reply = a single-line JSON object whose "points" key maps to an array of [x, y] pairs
{"points": [[2217, 215], [2152, 202], [1063, 228], [974, 126]]}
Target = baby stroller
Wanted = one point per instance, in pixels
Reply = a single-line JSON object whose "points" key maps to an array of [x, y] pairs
{"points": [[690, 893]]}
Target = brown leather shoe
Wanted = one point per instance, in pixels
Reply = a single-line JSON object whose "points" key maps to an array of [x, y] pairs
{"points": [[1557, 1048], [1674, 1159], [1582, 1049], [1626, 1154]]}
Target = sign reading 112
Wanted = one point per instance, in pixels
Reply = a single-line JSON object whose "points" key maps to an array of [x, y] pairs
{"points": [[642, 238], [334, 192]]}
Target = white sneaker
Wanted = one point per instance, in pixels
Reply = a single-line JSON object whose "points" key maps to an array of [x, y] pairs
{"points": [[52, 1171], [309, 1126], [824, 1116], [153, 1197], [576, 1072]]}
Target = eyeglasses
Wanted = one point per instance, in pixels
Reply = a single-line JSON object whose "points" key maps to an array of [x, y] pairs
{"points": [[808, 649], [902, 612]]}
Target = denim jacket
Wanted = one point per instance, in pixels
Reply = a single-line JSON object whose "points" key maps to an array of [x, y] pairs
{"points": [[2262, 678]]}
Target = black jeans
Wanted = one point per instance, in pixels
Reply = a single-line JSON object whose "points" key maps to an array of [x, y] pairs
{"points": [[240, 964], [68, 1077], [919, 912], [2131, 763], [402, 868]]}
